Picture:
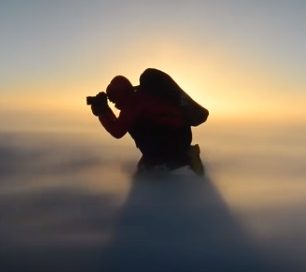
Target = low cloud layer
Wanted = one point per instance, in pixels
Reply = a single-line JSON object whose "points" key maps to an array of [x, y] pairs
{"points": [[52, 220]]}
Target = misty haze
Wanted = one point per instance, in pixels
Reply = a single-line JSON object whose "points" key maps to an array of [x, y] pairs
{"points": [[69, 203]]}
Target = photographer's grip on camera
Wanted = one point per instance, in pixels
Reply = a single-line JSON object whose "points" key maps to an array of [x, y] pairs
{"points": [[98, 103]]}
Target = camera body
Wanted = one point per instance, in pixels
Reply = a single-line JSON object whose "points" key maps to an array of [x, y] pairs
{"points": [[99, 99], [90, 100]]}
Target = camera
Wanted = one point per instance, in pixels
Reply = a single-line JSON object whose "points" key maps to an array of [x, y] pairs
{"points": [[99, 99], [90, 100]]}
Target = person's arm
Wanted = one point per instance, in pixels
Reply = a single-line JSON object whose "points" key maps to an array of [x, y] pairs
{"points": [[117, 127]]}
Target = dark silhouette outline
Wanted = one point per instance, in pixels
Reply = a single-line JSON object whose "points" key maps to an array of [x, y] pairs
{"points": [[158, 115]]}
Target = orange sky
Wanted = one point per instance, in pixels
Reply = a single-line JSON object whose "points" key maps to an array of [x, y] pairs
{"points": [[241, 61]]}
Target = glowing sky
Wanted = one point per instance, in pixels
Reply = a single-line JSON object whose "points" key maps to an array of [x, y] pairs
{"points": [[238, 58]]}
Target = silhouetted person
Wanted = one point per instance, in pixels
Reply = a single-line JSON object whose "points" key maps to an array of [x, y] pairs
{"points": [[157, 124]]}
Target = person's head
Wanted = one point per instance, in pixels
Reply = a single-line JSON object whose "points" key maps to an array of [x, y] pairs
{"points": [[119, 91]]}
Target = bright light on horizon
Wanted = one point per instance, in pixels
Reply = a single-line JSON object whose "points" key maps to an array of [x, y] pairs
{"points": [[222, 64]]}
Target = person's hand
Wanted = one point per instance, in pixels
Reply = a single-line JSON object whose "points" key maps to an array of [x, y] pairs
{"points": [[99, 105]]}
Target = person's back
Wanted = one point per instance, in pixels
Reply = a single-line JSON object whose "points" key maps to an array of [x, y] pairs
{"points": [[160, 84]]}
